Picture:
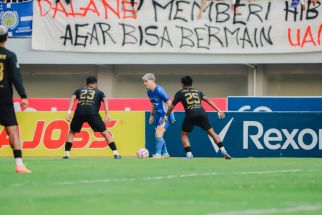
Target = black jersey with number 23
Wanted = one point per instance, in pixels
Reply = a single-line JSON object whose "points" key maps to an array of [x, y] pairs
{"points": [[191, 100], [89, 100]]}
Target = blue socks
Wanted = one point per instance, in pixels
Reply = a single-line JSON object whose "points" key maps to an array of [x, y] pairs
{"points": [[164, 148], [159, 144], [161, 147]]}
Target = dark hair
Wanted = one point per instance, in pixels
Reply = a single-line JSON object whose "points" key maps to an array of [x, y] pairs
{"points": [[3, 38], [186, 81], [91, 80]]}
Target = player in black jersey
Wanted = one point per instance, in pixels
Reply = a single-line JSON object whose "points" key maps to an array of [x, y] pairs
{"points": [[195, 115], [89, 102], [10, 75]]}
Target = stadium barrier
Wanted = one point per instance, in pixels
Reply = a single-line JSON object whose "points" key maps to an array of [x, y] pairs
{"points": [[245, 134], [115, 104], [274, 103], [43, 134], [250, 134], [44, 128]]}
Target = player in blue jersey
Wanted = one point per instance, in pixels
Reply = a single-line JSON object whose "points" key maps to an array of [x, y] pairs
{"points": [[160, 104]]}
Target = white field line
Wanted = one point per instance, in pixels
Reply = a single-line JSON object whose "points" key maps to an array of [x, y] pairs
{"points": [[166, 177], [268, 172], [299, 208], [169, 177]]}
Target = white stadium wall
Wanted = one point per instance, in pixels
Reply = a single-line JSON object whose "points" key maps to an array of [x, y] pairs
{"points": [[29, 56], [57, 74], [124, 81]]}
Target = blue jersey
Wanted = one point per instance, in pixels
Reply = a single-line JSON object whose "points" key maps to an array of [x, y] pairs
{"points": [[159, 98]]}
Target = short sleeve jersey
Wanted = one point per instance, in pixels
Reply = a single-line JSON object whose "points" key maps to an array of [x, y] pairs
{"points": [[159, 98], [89, 100], [191, 101]]}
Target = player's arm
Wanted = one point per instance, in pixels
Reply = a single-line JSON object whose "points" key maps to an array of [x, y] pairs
{"points": [[151, 118], [171, 114], [169, 111], [107, 115], [221, 114], [233, 5], [202, 8], [302, 2], [17, 80], [165, 98], [70, 107], [172, 105]]}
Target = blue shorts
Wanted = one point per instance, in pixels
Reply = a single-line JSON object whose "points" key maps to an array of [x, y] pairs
{"points": [[158, 122]]}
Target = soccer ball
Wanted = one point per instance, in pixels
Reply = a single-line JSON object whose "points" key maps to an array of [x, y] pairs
{"points": [[142, 153]]}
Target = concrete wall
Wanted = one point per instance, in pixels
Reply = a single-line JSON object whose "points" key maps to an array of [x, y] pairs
{"points": [[50, 81], [58, 74], [28, 56], [124, 81], [294, 80]]}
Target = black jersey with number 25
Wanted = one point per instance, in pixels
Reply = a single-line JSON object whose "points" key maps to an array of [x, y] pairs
{"points": [[89, 100], [191, 100]]}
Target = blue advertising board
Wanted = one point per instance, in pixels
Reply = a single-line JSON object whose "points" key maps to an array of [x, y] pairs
{"points": [[257, 104], [249, 134], [17, 17]]}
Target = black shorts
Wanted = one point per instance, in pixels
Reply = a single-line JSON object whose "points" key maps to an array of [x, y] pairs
{"points": [[94, 120], [7, 115], [202, 121]]}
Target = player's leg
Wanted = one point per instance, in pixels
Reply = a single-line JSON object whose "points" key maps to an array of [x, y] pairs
{"points": [[217, 140], [204, 123], [75, 127], [164, 150], [186, 144], [111, 143], [12, 132], [187, 127], [69, 144], [97, 124], [9, 121], [159, 141], [161, 148]]}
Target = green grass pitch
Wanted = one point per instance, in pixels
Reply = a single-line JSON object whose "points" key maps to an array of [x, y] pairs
{"points": [[208, 186]]}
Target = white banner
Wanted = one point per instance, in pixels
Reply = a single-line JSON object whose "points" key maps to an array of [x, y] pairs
{"points": [[176, 26]]}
